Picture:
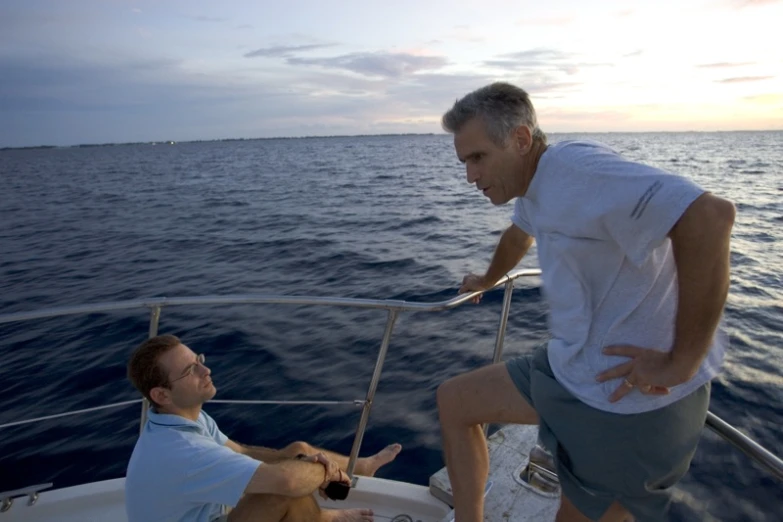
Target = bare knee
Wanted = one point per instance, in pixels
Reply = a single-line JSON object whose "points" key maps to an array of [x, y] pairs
{"points": [[568, 512], [448, 401], [298, 448], [617, 513], [260, 507]]}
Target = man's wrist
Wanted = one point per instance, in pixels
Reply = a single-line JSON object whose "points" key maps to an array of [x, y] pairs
{"points": [[325, 482], [685, 363], [487, 282]]}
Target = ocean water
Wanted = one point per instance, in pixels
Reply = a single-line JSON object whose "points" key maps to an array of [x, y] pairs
{"points": [[388, 217]]}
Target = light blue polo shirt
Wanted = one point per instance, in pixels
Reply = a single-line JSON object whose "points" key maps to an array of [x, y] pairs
{"points": [[181, 471]]}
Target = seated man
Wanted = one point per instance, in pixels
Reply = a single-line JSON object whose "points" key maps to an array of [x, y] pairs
{"points": [[184, 468]]}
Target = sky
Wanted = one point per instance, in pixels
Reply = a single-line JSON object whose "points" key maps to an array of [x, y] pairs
{"points": [[79, 71]]}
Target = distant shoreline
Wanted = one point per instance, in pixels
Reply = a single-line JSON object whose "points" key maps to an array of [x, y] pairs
{"points": [[340, 136]]}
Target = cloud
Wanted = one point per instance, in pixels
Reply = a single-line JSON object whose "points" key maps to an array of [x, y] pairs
{"points": [[766, 99], [211, 19], [634, 54], [752, 3], [724, 65], [384, 64], [284, 50], [531, 58], [244, 26], [464, 33], [24, 22], [557, 21], [573, 115], [136, 10], [65, 83], [745, 79], [542, 59], [64, 99], [377, 64]]}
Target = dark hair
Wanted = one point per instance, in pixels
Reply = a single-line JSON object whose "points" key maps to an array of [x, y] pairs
{"points": [[144, 369], [503, 107]]}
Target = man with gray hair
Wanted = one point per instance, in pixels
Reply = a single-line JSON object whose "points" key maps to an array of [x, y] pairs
{"points": [[635, 271]]}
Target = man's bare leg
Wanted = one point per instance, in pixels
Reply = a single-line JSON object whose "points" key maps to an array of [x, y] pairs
{"points": [[277, 508], [366, 466], [486, 395], [345, 515], [272, 508], [568, 512]]}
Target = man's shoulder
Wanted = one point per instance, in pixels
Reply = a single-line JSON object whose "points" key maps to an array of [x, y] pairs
{"points": [[568, 167], [582, 154], [163, 456], [168, 444], [578, 147], [579, 164]]}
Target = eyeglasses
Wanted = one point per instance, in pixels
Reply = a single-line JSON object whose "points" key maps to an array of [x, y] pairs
{"points": [[190, 370]]}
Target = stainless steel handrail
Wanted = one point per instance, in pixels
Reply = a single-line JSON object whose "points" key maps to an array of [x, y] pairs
{"points": [[376, 378], [748, 446], [32, 493], [152, 303], [355, 402], [68, 413], [755, 451]]}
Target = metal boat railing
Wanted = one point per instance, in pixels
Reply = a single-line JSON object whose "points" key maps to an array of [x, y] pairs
{"points": [[755, 451]]}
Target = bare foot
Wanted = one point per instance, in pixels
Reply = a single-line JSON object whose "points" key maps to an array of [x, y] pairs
{"points": [[371, 464], [346, 515]]}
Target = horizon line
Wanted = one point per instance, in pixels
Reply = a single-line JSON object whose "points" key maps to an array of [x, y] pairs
{"points": [[331, 136]]}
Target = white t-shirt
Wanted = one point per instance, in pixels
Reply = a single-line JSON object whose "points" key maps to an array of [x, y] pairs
{"points": [[181, 471], [601, 224]]}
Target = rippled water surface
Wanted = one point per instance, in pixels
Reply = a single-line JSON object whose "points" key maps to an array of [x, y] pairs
{"points": [[378, 217]]}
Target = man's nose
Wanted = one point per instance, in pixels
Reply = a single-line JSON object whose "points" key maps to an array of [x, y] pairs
{"points": [[472, 174]]}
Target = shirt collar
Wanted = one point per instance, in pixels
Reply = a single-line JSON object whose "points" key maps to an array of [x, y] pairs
{"points": [[167, 420]]}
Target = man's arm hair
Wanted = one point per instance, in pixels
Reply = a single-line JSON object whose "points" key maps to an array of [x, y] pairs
{"points": [[512, 247], [701, 246], [268, 455], [278, 474], [290, 478]]}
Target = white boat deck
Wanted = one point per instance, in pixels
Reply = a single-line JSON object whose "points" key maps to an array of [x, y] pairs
{"points": [[510, 498], [105, 502]]}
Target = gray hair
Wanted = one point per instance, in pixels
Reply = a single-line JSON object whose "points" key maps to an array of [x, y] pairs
{"points": [[502, 106]]}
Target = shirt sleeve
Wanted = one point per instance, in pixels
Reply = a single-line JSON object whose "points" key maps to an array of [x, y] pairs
{"points": [[637, 205], [216, 474], [520, 217], [213, 430]]}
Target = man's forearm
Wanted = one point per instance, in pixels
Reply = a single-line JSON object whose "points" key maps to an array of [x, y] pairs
{"points": [[512, 247], [290, 478], [701, 246], [305, 477]]}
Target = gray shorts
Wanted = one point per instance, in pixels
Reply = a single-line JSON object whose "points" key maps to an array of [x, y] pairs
{"points": [[603, 457]]}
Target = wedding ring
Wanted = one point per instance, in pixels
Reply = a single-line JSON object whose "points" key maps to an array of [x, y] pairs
{"points": [[628, 383]]}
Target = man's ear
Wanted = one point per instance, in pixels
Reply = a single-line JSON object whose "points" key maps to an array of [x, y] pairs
{"points": [[160, 395], [524, 139]]}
